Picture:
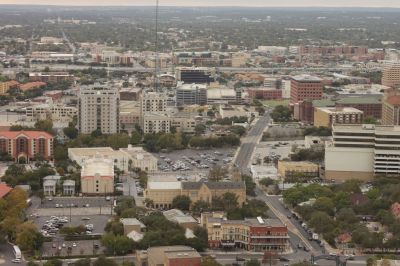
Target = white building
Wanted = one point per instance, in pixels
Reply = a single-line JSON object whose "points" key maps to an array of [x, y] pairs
{"points": [[98, 108], [155, 123], [81, 155], [362, 151], [221, 96], [57, 113], [141, 159], [49, 187]]}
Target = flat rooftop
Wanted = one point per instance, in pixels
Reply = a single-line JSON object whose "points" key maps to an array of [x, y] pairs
{"points": [[306, 78], [339, 110]]}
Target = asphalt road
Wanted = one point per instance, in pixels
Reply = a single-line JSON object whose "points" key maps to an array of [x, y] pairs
{"points": [[249, 143]]}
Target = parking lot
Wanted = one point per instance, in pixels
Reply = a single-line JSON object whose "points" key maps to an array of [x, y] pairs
{"points": [[280, 148], [60, 247], [98, 221], [194, 160], [75, 202]]}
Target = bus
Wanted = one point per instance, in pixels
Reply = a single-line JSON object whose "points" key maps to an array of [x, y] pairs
{"points": [[17, 252]]}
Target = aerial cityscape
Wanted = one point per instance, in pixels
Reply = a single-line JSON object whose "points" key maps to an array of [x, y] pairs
{"points": [[171, 133]]}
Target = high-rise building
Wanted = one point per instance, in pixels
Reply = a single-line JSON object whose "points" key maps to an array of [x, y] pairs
{"points": [[153, 102], [188, 94], [98, 109], [362, 151], [305, 87], [391, 74], [391, 110]]}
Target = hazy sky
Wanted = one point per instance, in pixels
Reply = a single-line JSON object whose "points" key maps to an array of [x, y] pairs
{"points": [[267, 3]]}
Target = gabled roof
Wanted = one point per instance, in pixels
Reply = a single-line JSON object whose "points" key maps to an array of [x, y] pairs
{"points": [[213, 185], [4, 190], [29, 134]]}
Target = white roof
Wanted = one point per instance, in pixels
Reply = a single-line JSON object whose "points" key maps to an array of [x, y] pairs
{"points": [[47, 183], [220, 93], [135, 236], [98, 165], [164, 185], [306, 77]]}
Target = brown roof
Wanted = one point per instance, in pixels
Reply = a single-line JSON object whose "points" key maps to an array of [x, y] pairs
{"points": [[4, 190], [32, 85], [393, 100]]}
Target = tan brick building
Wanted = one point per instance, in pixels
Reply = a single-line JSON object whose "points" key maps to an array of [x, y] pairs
{"points": [[163, 193]]}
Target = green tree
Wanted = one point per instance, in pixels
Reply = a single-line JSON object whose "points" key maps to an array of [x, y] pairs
{"points": [[136, 138], [370, 120], [28, 237], [281, 114], [60, 153], [209, 261], [181, 202], [82, 262], [200, 129], [117, 245], [71, 132], [45, 125], [103, 261], [217, 173], [253, 262], [115, 227], [324, 204]]}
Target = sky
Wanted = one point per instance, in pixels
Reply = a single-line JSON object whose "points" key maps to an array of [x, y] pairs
{"points": [[256, 3]]}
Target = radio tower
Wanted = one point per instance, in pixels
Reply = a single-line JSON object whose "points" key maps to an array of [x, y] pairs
{"points": [[156, 59]]}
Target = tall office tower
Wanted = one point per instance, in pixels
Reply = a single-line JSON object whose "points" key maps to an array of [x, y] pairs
{"points": [[98, 109], [305, 87], [391, 74]]}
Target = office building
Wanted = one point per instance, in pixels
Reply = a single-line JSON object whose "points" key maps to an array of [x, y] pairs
{"points": [[197, 75], [305, 87], [264, 93], [297, 170], [362, 151], [221, 96], [188, 94], [391, 74], [98, 109], [327, 116], [156, 123], [24, 146], [391, 110], [251, 234], [97, 176]]}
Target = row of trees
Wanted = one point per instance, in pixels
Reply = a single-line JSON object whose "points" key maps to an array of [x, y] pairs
{"points": [[13, 225]]}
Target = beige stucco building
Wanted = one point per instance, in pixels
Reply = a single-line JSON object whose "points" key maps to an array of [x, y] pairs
{"points": [[391, 74], [327, 116], [97, 176], [288, 169]]}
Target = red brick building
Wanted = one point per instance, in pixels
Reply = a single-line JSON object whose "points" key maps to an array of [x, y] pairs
{"points": [[23, 146], [264, 93], [255, 235], [305, 87]]}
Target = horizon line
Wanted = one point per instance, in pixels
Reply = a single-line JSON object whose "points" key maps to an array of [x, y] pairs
{"points": [[204, 6]]}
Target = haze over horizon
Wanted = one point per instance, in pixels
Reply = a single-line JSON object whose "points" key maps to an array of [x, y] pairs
{"points": [[251, 3]]}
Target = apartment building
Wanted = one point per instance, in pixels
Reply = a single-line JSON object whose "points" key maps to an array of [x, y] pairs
{"points": [[251, 234], [327, 116], [7, 85], [156, 123], [57, 113], [362, 151], [24, 146], [189, 94], [391, 74], [98, 109], [303, 87], [162, 193]]}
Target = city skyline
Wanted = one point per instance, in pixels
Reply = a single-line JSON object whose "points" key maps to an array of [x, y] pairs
{"points": [[254, 3]]}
